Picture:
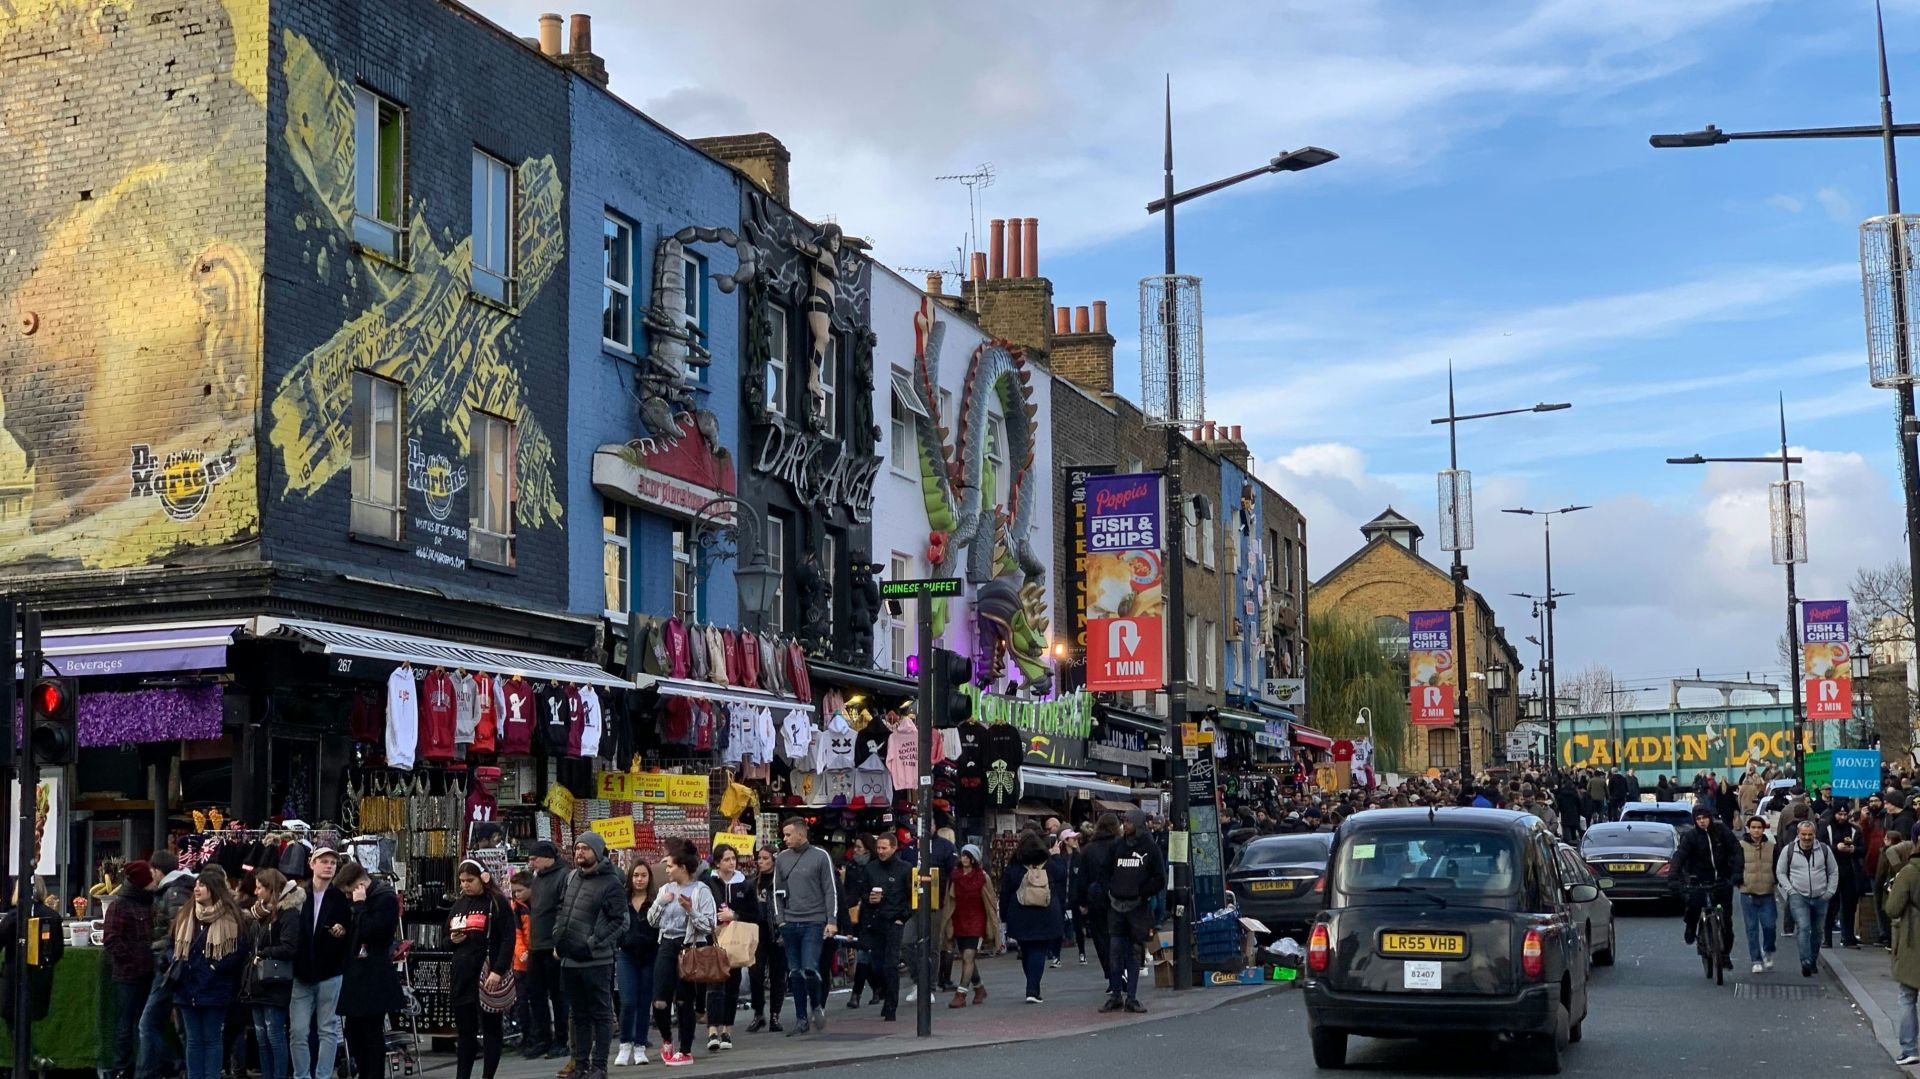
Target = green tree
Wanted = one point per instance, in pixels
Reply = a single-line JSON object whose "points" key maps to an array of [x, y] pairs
{"points": [[1347, 670]]}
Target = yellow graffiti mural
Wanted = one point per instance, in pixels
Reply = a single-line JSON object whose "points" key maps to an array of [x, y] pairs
{"points": [[1693, 750], [453, 355], [130, 256]]}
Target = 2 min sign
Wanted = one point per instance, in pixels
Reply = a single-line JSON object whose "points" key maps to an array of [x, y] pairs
{"points": [[926, 586]]}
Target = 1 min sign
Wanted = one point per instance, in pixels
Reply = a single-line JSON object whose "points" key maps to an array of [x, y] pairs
{"points": [[927, 586]]}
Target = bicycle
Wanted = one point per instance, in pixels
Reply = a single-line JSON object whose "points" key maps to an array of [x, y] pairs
{"points": [[1714, 935]]}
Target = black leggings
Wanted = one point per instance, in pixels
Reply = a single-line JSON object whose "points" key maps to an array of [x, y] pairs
{"points": [[669, 991], [366, 1037], [770, 969], [473, 1027]]}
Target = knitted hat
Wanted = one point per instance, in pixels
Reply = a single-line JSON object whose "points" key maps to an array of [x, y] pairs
{"points": [[139, 874]]}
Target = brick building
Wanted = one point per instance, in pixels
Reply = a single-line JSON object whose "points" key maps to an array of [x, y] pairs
{"points": [[1383, 581]]}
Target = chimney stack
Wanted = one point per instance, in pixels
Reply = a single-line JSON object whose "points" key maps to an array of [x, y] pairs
{"points": [[1016, 250], [1011, 302], [1084, 356], [1080, 320], [579, 55], [1030, 266], [550, 35], [762, 157], [997, 249], [1099, 316], [1062, 321]]}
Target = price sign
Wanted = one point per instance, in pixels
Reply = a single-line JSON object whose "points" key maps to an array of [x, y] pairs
{"points": [[614, 786], [742, 844], [617, 831], [560, 802], [661, 787]]}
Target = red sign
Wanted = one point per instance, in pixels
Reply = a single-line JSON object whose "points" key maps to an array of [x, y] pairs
{"points": [[1432, 706], [1124, 654]]}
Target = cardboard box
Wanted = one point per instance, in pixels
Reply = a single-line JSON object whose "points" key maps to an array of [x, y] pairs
{"points": [[1163, 967]]}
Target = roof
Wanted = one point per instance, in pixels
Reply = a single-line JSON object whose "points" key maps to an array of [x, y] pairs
{"points": [[1452, 816], [1390, 519]]}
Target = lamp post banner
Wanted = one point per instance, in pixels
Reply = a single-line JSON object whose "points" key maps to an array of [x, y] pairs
{"points": [[1827, 659], [1430, 667], [1124, 595]]}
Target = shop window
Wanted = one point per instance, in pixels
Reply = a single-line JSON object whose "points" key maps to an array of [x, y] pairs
{"points": [[379, 173], [376, 456], [493, 240], [616, 283], [776, 331], [777, 561], [1443, 747], [688, 597], [616, 557], [491, 500], [899, 630]]}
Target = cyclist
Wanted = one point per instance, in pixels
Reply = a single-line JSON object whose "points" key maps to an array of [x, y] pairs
{"points": [[1709, 859]]}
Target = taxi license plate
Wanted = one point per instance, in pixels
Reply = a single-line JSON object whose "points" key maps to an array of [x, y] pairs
{"points": [[1271, 886], [1625, 867], [1445, 945]]}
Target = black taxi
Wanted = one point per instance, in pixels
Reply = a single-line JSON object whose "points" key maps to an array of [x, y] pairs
{"points": [[1446, 921]]}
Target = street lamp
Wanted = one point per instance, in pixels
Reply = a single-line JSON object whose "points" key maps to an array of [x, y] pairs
{"points": [[1550, 602], [1787, 515], [718, 533], [1456, 535], [1886, 255], [1172, 397]]}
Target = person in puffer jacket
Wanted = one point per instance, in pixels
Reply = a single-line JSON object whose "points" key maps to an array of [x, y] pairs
{"points": [[586, 932]]}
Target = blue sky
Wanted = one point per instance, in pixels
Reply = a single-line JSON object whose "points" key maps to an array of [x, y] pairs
{"points": [[1496, 205]]}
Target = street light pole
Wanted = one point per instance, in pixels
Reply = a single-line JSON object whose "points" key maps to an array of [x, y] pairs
{"points": [[1552, 602]]}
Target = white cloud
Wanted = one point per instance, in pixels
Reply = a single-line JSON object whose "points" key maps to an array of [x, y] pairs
{"points": [[1838, 206], [1786, 202]]}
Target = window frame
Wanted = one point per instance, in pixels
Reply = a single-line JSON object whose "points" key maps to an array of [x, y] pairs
{"points": [[1209, 532], [998, 453], [776, 539], [611, 286], [901, 445], [1446, 755], [688, 593], [1210, 641], [899, 625], [373, 230], [361, 497], [830, 569], [830, 382], [619, 539], [492, 546], [777, 377], [484, 280]]}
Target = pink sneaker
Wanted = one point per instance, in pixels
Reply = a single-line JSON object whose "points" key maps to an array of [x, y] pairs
{"points": [[673, 1058]]}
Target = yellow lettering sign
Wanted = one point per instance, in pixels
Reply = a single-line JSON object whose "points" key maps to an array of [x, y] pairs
{"points": [[617, 831], [614, 786], [742, 844], [560, 802], [661, 787]]}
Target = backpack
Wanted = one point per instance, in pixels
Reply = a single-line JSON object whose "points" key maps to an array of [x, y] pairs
{"points": [[1036, 888]]}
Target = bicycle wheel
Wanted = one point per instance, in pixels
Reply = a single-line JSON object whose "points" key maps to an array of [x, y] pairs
{"points": [[1722, 941]]}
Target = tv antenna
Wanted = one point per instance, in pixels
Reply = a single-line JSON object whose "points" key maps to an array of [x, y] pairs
{"points": [[977, 180]]}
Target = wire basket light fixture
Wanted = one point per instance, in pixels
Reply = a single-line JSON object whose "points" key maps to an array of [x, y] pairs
{"points": [[1887, 280], [1172, 355]]}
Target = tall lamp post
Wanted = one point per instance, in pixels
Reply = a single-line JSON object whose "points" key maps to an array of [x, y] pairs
{"points": [[1456, 535], [721, 535], [1787, 514], [1550, 602], [1173, 396], [1887, 272]]}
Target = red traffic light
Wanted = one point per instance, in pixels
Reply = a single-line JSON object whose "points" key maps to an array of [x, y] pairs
{"points": [[49, 699]]}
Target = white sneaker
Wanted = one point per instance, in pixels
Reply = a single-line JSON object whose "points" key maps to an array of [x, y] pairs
{"points": [[625, 1056], [1759, 967], [640, 1055], [1767, 961], [1909, 1060]]}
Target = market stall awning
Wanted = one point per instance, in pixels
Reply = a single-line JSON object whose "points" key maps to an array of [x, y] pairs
{"points": [[141, 649], [1274, 711], [1307, 736], [838, 674], [1112, 805], [709, 691], [1070, 784], [1134, 721], [337, 640], [1244, 722]]}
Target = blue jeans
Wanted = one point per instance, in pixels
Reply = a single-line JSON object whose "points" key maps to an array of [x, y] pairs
{"points": [[312, 1009], [156, 1052], [1033, 960], [1809, 920], [1123, 967], [636, 997], [206, 1030], [1909, 1022], [270, 1029], [802, 943], [1759, 914]]}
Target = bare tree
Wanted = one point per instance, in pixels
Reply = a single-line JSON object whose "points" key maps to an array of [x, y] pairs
{"points": [[1882, 611], [1594, 688]]}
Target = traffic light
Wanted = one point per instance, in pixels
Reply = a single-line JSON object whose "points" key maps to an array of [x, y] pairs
{"points": [[53, 721], [951, 670]]}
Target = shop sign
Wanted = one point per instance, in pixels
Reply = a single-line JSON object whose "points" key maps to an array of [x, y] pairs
{"points": [[1076, 567], [1856, 772], [1117, 745], [49, 825], [617, 831], [1288, 693], [1273, 736], [560, 802], [1729, 749], [1826, 660], [661, 787], [677, 480], [820, 472], [1430, 667]]}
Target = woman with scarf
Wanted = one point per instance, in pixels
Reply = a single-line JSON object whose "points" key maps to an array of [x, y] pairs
{"points": [[210, 947], [272, 921], [482, 931]]}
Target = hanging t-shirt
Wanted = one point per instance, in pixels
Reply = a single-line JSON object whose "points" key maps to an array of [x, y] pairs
{"points": [[555, 718], [972, 735], [837, 744], [403, 718], [903, 755], [438, 711], [595, 722], [872, 789], [734, 734], [765, 736], [806, 786], [518, 717], [489, 704], [970, 786], [1003, 750], [870, 741], [797, 731], [576, 720], [482, 806], [838, 783], [466, 708]]}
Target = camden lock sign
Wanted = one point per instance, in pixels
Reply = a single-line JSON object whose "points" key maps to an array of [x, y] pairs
{"points": [[819, 471]]}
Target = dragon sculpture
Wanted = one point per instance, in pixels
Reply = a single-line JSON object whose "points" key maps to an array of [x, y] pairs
{"points": [[956, 483], [667, 383]]}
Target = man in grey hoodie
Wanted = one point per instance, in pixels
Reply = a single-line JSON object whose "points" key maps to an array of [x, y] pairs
{"points": [[805, 901], [586, 930]]}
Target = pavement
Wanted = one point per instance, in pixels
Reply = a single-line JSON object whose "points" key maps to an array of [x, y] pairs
{"points": [[1867, 975], [1073, 995]]}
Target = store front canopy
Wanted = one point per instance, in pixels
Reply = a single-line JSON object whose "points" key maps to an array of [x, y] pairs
{"points": [[1244, 722], [719, 694], [338, 640], [144, 649], [1050, 781], [1307, 736]]}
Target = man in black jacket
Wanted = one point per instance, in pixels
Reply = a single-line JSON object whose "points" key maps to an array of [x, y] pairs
{"points": [[1131, 874], [319, 959], [546, 1004], [586, 930], [1709, 862], [885, 905], [1566, 803]]}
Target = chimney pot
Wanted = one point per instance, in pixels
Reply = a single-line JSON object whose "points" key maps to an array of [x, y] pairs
{"points": [[979, 265], [550, 34], [1016, 251], [1031, 266], [580, 34], [1099, 316], [1080, 322], [934, 281], [997, 249], [1236, 433], [1062, 320]]}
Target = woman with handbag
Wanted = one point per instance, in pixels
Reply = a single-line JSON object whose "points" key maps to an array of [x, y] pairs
{"points": [[267, 986], [737, 912], [639, 944], [482, 932], [768, 978], [683, 912], [210, 951], [369, 986]]}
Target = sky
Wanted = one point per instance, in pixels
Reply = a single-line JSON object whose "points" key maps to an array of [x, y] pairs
{"points": [[1495, 208]]}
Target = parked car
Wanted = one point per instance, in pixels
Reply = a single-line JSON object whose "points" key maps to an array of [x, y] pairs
{"points": [[1446, 921], [1678, 814], [1278, 879], [1596, 915], [1633, 859]]}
